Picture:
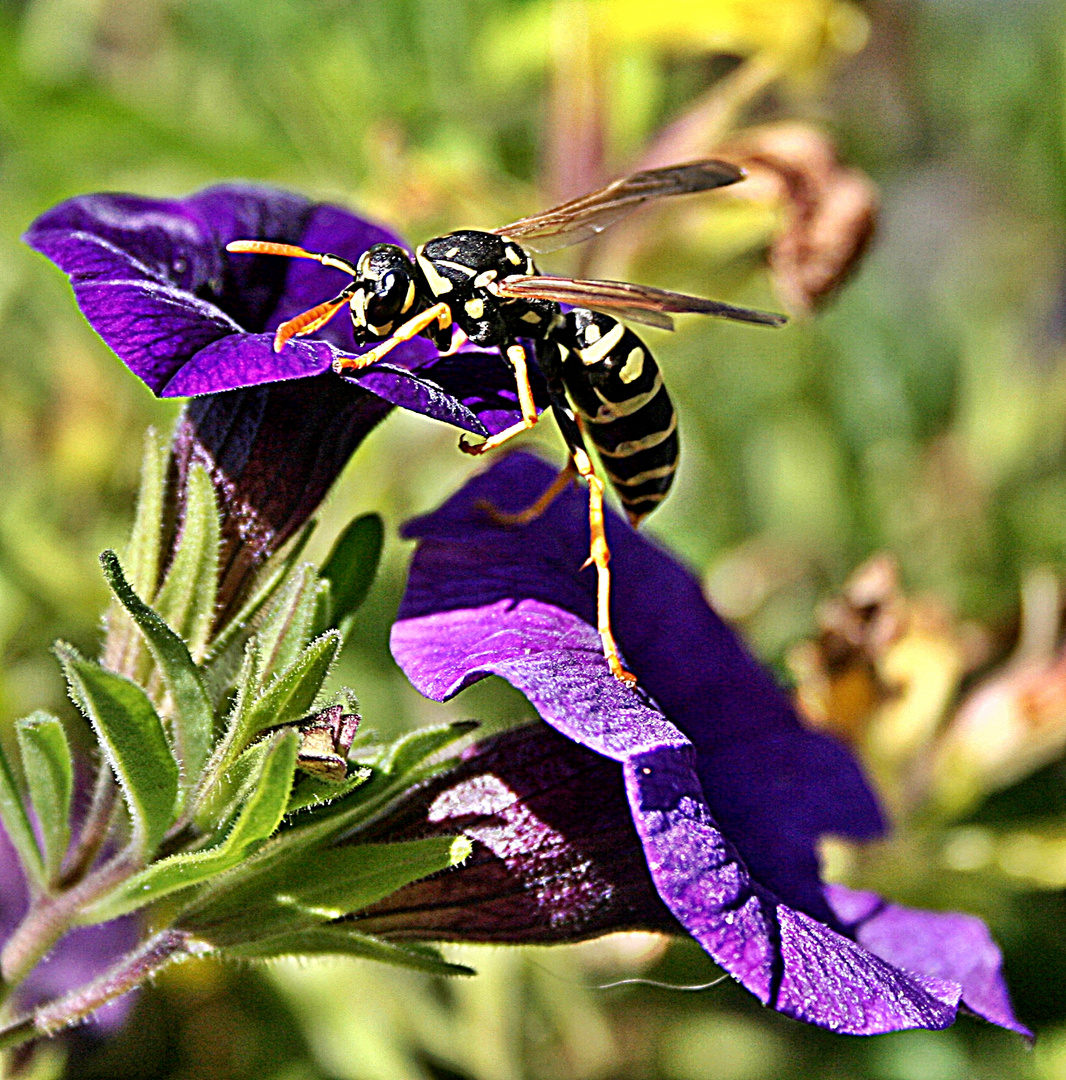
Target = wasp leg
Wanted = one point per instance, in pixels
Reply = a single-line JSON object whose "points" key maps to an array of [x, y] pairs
{"points": [[309, 321], [440, 313], [516, 356], [567, 476], [600, 556], [459, 339]]}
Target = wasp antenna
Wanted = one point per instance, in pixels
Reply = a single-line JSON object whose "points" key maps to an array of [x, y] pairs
{"points": [[268, 247]]}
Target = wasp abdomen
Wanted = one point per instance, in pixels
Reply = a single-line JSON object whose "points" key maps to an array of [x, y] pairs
{"points": [[617, 388]]}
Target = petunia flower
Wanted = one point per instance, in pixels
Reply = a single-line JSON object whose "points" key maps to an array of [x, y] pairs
{"points": [[155, 281], [726, 791]]}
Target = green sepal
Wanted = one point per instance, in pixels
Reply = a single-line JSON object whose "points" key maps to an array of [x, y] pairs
{"points": [[309, 791], [17, 825], [124, 648], [231, 634], [268, 794], [289, 624], [412, 750], [351, 568], [286, 894], [49, 771], [193, 726], [292, 693], [341, 939], [186, 600], [131, 734]]}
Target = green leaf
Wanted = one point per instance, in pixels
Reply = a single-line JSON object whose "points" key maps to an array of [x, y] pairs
{"points": [[187, 598], [125, 651], [17, 824], [304, 887], [49, 771], [132, 737], [142, 553], [310, 791], [352, 566], [289, 623], [268, 795], [231, 633], [338, 881], [412, 750], [341, 939], [193, 725], [291, 695]]}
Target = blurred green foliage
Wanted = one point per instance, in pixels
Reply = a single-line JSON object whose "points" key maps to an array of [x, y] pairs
{"points": [[923, 414]]}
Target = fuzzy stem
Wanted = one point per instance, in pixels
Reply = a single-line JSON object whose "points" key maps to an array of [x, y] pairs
{"points": [[134, 969], [50, 917]]}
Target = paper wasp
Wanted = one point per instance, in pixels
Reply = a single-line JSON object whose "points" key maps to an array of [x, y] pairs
{"points": [[602, 381]]}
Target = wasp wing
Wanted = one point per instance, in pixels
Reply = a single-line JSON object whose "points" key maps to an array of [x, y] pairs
{"points": [[582, 218], [642, 303]]}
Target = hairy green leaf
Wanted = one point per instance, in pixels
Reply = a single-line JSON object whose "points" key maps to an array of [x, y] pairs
{"points": [[289, 623], [49, 770], [352, 566], [294, 889], [268, 794], [193, 726], [186, 600], [131, 734], [342, 939], [17, 824]]}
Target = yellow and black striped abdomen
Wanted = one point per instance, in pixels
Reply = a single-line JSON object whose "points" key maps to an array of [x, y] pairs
{"points": [[617, 388]]}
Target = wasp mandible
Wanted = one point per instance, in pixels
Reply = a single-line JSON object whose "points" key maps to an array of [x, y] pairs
{"points": [[602, 380]]}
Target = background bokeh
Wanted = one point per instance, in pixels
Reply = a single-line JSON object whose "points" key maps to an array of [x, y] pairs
{"points": [[922, 414]]}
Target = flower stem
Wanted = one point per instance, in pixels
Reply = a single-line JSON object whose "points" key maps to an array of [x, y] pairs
{"points": [[127, 975]]}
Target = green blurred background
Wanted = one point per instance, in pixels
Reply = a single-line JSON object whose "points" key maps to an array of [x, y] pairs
{"points": [[923, 414]]}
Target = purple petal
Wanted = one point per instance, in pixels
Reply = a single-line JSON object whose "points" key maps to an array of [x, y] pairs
{"points": [[787, 959], [754, 755], [471, 390], [154, 280], [947, 945]]}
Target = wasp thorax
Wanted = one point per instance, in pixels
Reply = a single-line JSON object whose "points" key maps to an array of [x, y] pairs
{"points": [[387, 292]]}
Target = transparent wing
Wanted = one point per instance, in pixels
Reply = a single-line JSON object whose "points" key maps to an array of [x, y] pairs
{"points": [[582, 218], [641, 303]]}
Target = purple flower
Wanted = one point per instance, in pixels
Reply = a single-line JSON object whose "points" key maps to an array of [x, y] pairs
{"points": [[154, 279], [726, 791]]}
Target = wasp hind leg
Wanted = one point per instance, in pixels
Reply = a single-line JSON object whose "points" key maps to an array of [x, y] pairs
{"points": [[516, 357]]}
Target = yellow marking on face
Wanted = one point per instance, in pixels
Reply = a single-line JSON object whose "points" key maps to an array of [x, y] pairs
{"points": [[438, 285], [593, 354], [633, 368], [484, 280], [531, 317], [409, 299], [475, 308], [358, 306]]}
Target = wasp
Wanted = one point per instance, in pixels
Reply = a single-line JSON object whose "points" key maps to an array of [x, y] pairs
{"points": [[602, 381]]}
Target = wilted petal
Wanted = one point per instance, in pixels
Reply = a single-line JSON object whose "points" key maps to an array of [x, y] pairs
{"points": [[946, 945]]}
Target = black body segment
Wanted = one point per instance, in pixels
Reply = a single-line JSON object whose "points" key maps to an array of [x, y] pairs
{"points": [[617, 389]]}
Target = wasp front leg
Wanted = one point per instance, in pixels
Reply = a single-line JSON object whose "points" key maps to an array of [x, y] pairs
{"points": [[516, 357]]}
